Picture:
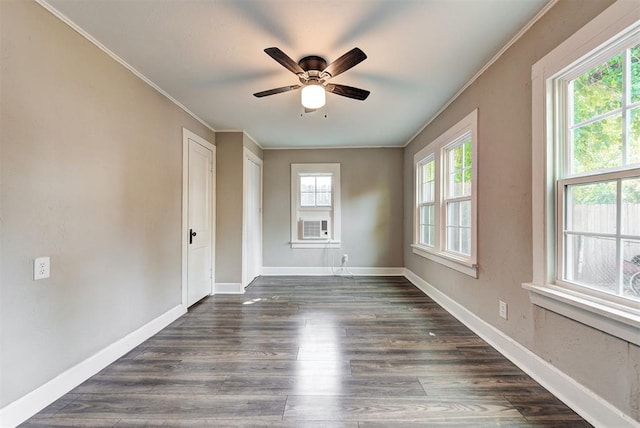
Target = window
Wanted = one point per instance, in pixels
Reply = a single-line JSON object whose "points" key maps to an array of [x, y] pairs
{"points": [[586, 175], [315, 205], [427, 201], [445, 200], [315, 190], [599, 177], [457, 200]]}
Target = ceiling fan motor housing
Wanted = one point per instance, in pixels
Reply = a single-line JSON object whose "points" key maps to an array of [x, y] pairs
{"points": [[312, 62]]}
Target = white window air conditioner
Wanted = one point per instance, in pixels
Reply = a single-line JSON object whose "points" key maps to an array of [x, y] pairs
{"points": [[315, 229]]}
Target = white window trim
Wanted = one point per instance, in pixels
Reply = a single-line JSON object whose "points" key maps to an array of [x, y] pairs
{"points": [[316, 168], [603, 314], [437, 253]]}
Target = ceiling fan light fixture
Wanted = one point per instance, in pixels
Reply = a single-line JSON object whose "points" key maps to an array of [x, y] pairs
{"points": [[313, 96]]}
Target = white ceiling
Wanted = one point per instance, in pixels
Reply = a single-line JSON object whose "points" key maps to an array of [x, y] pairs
{"points": [[208, 55]]}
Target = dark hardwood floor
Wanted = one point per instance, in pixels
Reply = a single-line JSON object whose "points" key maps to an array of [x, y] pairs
{"points": [[312, 352]]}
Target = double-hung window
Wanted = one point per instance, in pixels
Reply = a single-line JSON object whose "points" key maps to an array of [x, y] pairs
{"points": [[586, 176], [315, 205], [426, 171], [598, 184], [445, 201], [457, 195]]}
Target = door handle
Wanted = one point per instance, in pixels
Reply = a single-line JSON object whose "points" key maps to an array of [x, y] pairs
{"points": [[191, 235]]}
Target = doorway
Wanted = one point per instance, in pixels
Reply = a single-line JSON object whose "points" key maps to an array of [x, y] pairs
{"points": [[198, 217], [252, 218]]}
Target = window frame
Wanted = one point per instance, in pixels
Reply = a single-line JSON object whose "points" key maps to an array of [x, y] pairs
{"points": [[465, 129], [422, 203], [331, 212], [608, 313], [447, 198]]}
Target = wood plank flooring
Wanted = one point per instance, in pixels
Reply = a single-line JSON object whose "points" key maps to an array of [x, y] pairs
{"points": [[312, 352]]}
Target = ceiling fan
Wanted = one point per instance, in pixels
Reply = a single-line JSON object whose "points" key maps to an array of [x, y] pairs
{"points": [[314, 74]]}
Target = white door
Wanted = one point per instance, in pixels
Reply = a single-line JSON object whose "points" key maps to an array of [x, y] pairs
{"points": [[253, 219], [200, 224]]}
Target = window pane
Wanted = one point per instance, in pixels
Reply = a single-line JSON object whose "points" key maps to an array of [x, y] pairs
{"points": [[466, 186], [428, 182], [453, 239], [453, 214], [631, 206], [307, 199], [455, 172], [307, 184], [633, 149], [467, 155], [465, 241], [429, 192], [323, 199], [459, 172], [598, 91], [465, 213], [459, 239], [430, 171], [597, 145], [592, 207], [631, 269], [427, 235], [591, 261], [323, 184], [459, 213], [635, 74]]}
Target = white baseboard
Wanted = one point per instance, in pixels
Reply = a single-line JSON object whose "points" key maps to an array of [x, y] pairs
{"points": [[25, 407], [324, 271], [228, 288], [596, 410]]}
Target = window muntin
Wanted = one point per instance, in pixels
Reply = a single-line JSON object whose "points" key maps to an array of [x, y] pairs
{"points": [[599, 177], [445, 198], [315, 191]]}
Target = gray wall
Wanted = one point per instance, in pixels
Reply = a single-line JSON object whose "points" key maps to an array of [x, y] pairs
{"points": [[91, 174], [229, 201], [371, 205], [229, 207], [605, 364]]}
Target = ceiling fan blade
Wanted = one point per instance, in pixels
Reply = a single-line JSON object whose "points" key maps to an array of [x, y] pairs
{"points": [[284, 60], [352, 58], [276, 91], [348, 91]]}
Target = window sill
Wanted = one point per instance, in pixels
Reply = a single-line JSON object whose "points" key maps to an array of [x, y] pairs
{"points": [[617, 320], [444, 259], [315, 244]]}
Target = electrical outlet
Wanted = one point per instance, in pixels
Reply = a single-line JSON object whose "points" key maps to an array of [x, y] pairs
{"points": [[41, 268], [503, 309], [345, 259]]}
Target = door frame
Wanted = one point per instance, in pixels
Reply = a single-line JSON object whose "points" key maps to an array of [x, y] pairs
{"points": [[248, 155], [186, 136]]}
